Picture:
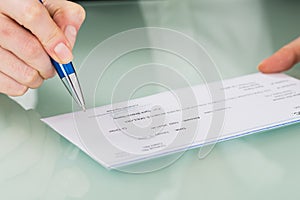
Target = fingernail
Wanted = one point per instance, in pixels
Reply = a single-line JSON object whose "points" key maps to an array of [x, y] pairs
{"points": [[260, 66], [63, 53], [70, 33]]}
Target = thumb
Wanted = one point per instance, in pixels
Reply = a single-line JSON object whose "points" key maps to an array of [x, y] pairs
{"points": [[68, 16]]}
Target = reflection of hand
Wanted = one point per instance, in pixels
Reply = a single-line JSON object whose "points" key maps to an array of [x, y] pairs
{"points": [[29, 32], [29, 153], [283, 59]]}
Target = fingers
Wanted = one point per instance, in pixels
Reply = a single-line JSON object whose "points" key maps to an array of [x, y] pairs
{"points": [[29, 33], [11, 87], [284, 59], [22, 43], [24, 63], [68, 16], [17, 70], [35, 17]]}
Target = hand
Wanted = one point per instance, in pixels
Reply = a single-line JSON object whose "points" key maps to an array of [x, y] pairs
{"points": [[29, 33], [284, 59]]}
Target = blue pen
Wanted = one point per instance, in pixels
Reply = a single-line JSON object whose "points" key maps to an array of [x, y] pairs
{"points": [[67, 74]]}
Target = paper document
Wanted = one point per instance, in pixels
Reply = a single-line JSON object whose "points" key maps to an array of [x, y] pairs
{"points": [[124, 133]]}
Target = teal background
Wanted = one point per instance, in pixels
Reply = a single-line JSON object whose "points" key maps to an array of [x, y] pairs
{"points": [[36, 163]]}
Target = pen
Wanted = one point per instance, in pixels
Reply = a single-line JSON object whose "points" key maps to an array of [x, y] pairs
{"points": [[67, 74]]}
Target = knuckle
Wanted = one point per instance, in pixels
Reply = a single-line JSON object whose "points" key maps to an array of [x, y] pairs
{"points": [[52, 36], [6, 30], [19, 90], [31, 47], [22, 90], [37, 84], [50, 73], [78, 11], [33, 11], [11, 87], [30, 76], [47, 71]]}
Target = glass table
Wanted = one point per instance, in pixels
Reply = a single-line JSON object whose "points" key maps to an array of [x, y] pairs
{"points": [[37, 163]]}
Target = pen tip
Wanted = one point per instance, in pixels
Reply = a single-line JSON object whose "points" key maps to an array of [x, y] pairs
{"points": [[83, 108]]}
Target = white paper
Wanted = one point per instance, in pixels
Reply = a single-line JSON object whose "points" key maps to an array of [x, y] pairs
{"points": [[157, 125]]}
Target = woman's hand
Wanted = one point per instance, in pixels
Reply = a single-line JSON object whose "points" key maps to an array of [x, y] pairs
{"points": [[31, 31]]}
